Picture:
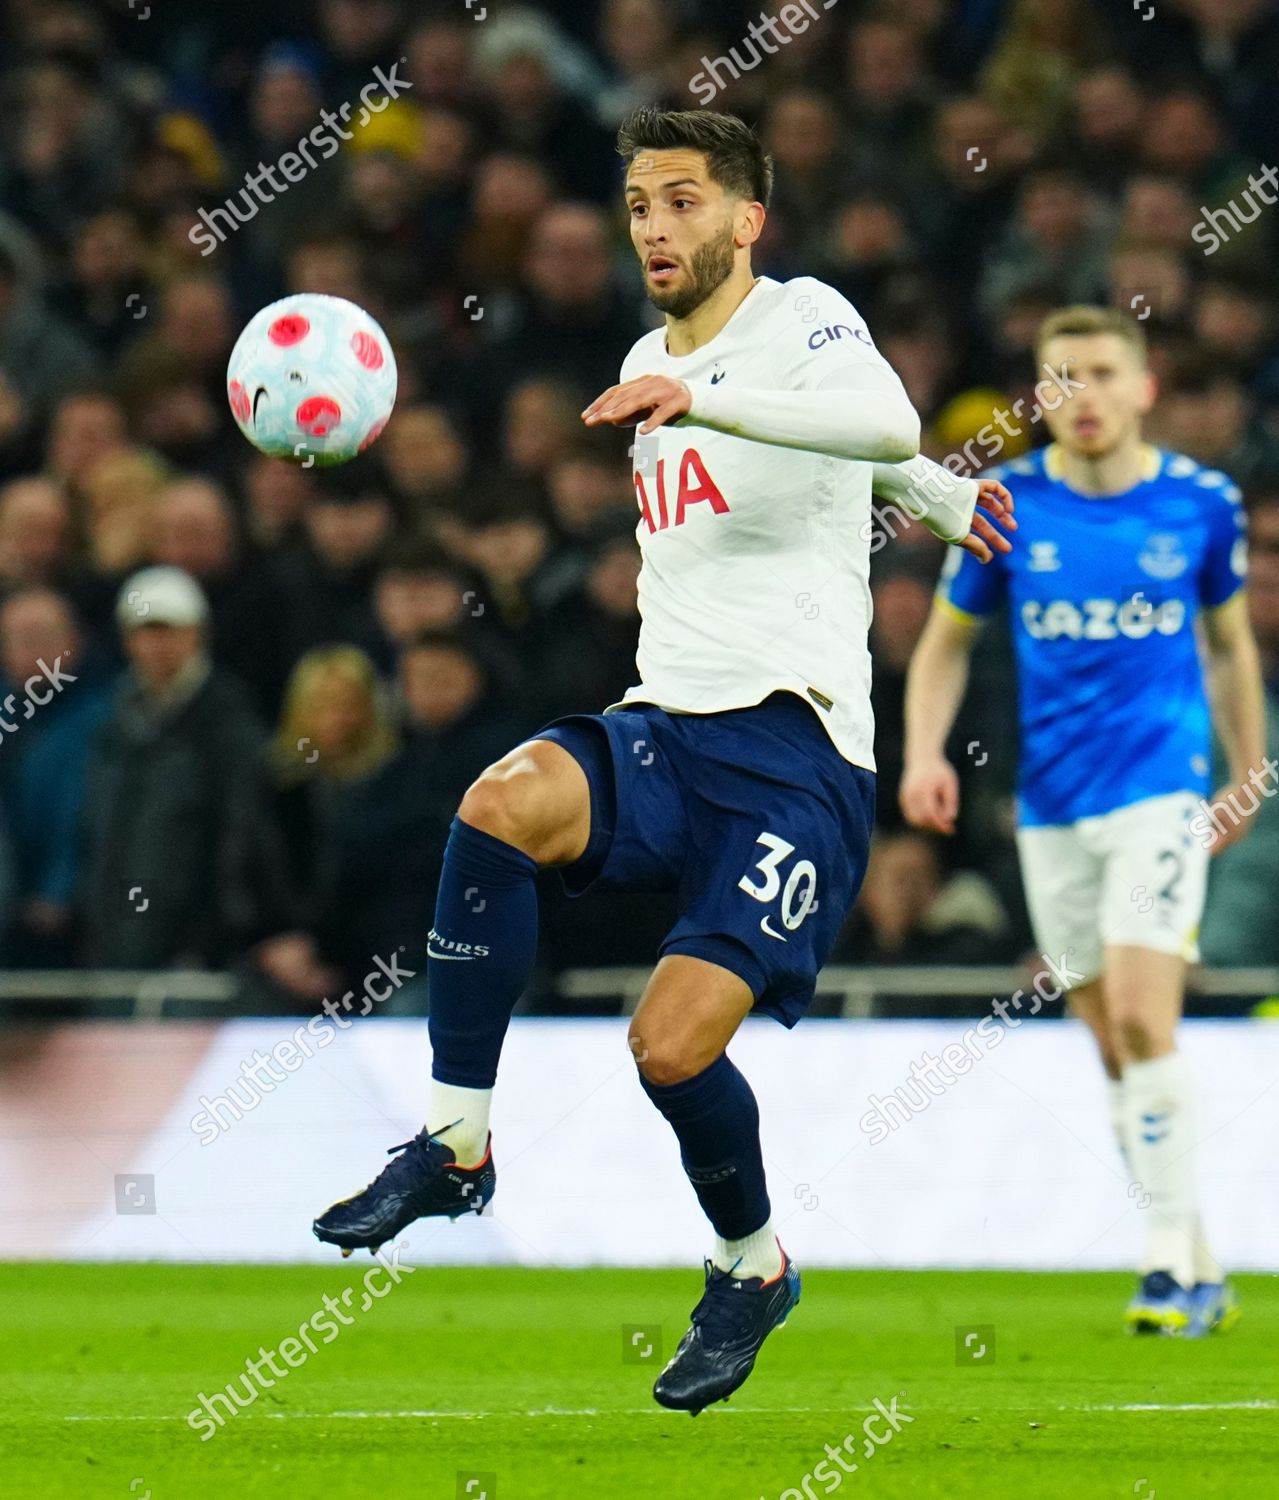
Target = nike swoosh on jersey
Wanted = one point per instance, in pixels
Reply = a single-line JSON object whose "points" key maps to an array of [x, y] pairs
{"points": [[764, 927]]}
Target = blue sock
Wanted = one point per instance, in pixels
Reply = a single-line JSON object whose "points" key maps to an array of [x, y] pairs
{"points": [[486, 931], [716, 1121]]}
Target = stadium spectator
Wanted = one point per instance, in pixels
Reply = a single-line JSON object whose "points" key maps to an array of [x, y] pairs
{"points": [[39, 355], [63, 693], [35, 532], [909, 912], [361, 836], [172, 814]]}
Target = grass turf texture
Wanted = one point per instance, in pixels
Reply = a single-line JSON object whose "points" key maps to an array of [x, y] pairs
{"points": [[531, 1365]]}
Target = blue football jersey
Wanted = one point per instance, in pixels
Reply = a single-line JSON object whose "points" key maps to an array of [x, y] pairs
{"points": [[1103, 593]]}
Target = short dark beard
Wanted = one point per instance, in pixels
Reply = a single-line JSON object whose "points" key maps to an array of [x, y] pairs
{"points": [[710, 267]]}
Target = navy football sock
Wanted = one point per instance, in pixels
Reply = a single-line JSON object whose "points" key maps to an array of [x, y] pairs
{"points": [[480, 954], [716, 1120]]}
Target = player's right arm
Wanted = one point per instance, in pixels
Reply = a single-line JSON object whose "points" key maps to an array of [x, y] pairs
{"points": [[935, 686]]}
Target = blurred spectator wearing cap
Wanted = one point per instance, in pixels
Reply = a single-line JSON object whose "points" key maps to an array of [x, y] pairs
{"points": [[194, 528], [172, 812], [43, 765]]}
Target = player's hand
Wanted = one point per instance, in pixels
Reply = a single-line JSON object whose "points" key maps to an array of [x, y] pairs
{"points": [[654, 399], [929, 794], [1225, 833], [985, 535]]}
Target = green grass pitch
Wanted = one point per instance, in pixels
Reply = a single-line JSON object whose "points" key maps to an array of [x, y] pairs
{"points": [[534, 1385]]}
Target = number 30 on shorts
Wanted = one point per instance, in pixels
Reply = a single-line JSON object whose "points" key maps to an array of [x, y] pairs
{"points": [[799, 892]]}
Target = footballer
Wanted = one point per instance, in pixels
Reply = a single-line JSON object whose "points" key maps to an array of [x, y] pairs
{"points": [[738, 772], [1127, 555]]}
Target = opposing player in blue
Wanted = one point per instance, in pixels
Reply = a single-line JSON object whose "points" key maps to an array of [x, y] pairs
{"points": [[738, 773], [1124, 553]]}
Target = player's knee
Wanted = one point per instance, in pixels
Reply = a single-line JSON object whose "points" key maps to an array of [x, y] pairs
{"points": [[504, 807], [663, 1058], [1138, 1035], [520, 801]]}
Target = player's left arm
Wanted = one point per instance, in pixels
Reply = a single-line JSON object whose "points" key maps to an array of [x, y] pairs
{"points": [[834, 392], [870, 418], [1235, 686], [1238, 702], [946, 504]]}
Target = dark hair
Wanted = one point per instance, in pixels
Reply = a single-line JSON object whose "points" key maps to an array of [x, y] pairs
{"points": [[734, 157]]}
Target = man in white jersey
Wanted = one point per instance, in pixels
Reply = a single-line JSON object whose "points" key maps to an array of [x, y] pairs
{"points": [[739, 772], [1124, 553]]}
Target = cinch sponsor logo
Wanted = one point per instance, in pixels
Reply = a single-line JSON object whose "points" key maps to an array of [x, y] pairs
{"points": [[828, 335], [1102, 619], [695, 485]]}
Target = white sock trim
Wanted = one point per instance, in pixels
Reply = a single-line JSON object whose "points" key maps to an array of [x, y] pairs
{"points": [[757, 1254], [460, 1118]]}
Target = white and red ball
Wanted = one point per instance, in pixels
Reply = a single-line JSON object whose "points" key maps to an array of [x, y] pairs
{"points": [[312, 379]]}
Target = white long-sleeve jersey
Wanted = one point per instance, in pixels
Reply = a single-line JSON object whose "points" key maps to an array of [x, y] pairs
{"points": [[755, 511]]}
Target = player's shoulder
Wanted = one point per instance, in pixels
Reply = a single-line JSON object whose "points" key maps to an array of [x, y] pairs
{"points": [[645, 354], [814, 322], [1182, 475], [809, 299]]}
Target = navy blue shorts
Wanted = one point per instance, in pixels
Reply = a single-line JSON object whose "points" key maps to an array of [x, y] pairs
{"points": [[751, 816]]}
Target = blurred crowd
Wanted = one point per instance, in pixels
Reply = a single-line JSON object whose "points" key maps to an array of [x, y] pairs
{"points": [[262, 742]]}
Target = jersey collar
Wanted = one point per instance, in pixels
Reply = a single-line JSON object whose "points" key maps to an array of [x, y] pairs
{"points": [[1152, 462]]}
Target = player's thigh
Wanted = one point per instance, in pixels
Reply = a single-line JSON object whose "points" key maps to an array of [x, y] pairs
{"points": [[770, 882], [1156, 877], [535, 798], [687, 1016], [1062, 875]]}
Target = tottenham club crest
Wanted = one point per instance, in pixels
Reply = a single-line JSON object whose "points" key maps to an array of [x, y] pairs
{"points": [[1162, 556]]}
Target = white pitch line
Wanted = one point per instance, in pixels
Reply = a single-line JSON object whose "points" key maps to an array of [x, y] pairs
{"points": [[433, 1413], [546, 1411], [1182, 1406]]}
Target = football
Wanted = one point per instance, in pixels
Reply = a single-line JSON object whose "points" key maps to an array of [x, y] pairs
{"points": [[312, 379]]}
